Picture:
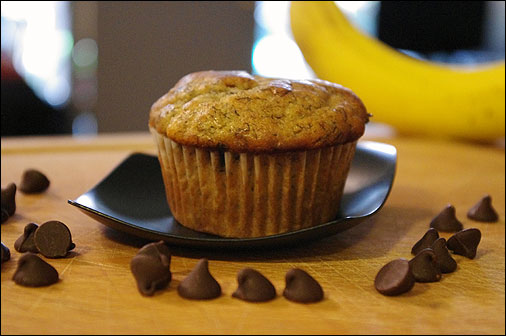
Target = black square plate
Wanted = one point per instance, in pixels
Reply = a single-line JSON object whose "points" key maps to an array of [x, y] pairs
{"points": [[132, 199]]}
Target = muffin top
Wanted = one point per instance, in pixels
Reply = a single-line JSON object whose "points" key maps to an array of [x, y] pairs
{"points": [[238, 112]]}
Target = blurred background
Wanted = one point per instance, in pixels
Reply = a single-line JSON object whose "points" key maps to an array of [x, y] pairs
{"points": [[88, 67]]}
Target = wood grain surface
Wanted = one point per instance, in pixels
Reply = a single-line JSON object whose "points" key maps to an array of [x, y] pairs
{"points": [[97, 293]]}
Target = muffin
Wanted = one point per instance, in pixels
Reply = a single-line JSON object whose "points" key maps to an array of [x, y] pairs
{"points": [[249, 156]]}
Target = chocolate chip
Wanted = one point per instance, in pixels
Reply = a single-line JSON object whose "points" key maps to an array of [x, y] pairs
{"points": [[483, 211], [302, 287], [151, 268], [446, 220], [444, 260], [465, 242], [6, 253], [33, 182], [426, 241], [25, 242], [32, 271], [253, 286], [199, 284], [424, 266], [53, 239], [394, 278], [9, 199]]}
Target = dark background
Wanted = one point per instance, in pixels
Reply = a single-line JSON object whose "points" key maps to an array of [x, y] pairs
{"points": [[145, 47]]}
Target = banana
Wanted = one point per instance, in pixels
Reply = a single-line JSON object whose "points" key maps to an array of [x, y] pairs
{"points": [[414, 96]]}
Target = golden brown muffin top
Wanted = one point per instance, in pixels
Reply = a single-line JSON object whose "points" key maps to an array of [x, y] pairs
{"points": [[235, 111]]}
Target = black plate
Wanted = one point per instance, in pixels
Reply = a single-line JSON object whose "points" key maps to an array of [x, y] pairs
{"points": [[132, 199]]}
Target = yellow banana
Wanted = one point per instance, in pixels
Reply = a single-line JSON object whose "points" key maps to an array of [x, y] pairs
{"points": [[414, 96]]}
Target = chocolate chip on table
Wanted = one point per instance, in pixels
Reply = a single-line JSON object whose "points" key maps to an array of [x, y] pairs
{"points": [[253, 286], [465, 242], [6, 253], [25, 242], [8, 199], [444, 260], [302, 287], [446, 220], [199, 284], [53, 239], [424, 266], [32, 271], [151, 268], [394, 278], [483, 211], [426, 241], [33, 182]]}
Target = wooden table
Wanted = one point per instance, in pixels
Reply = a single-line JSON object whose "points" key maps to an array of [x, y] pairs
{"points": [[97, 293]]}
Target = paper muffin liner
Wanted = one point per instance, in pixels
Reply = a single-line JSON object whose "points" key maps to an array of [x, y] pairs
{"points": [[252, 195]]}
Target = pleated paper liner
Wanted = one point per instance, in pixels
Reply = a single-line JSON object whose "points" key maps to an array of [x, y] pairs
{"points": [[252, 195]]}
